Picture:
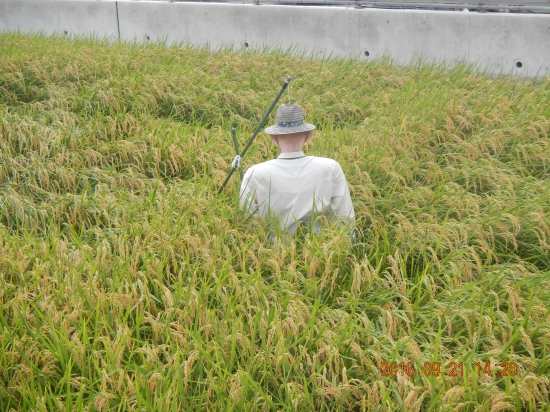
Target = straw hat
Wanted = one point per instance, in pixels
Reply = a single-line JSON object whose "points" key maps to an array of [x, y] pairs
{"points": [[289, 119]]}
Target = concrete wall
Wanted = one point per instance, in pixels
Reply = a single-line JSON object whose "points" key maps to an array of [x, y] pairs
{"points": [[97, 18], [507, 43]]}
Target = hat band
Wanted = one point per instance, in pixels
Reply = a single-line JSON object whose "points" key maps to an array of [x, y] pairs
{"points": [[290, 124]]}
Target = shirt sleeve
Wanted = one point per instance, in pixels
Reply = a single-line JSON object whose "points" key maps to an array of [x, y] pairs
{"points": [[340, 202], [247, 197]]}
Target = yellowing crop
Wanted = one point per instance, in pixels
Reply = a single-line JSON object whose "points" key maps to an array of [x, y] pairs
{"points": [[126, 283]]}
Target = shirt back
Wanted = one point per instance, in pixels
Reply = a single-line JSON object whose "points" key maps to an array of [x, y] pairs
{"points": [[295, 189]]}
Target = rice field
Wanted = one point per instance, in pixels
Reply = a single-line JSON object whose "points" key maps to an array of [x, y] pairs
{"points": [[127, 284]]}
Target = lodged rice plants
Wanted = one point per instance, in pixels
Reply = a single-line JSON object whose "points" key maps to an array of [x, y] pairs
{"points": [[127, 284]]}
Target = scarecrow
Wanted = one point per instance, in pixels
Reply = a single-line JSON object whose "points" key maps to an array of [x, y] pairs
{"points": [[294, 189]]}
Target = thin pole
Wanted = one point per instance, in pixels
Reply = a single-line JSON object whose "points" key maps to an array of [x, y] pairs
{"points": [[236, 144], [256, 131]]}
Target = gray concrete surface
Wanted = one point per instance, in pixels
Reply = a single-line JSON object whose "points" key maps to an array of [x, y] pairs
{"points": [[65, 17], [506, 43]]}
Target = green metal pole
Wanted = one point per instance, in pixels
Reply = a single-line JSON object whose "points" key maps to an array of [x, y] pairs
{"points": [[257, 130]]}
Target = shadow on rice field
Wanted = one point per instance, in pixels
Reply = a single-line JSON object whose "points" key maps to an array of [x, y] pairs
{"points": [[126, 283]]}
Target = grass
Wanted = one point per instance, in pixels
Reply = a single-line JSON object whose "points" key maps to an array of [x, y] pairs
{"points": [[127, 284]]}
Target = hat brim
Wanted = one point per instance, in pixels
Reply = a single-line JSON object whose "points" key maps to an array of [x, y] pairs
{"points": [[276, 129]]}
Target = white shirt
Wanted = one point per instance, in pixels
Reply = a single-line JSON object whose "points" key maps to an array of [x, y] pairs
{"points": [[296, 188]]}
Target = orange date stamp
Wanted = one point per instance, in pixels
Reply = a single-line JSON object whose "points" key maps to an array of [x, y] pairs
{"points": [[451, 369]]}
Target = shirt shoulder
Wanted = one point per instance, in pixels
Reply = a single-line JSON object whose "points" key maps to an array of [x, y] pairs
{"points": [[310, 162], [326, 162], [260, 167]]}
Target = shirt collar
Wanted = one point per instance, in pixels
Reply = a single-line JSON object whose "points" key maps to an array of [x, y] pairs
{"points": [[290, 155]]}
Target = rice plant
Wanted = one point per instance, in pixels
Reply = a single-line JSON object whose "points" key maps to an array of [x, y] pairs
{"points": [[126, 283]]}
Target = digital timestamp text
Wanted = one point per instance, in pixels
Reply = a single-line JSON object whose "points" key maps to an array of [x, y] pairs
{"points": [[451, 369]]}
